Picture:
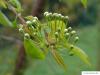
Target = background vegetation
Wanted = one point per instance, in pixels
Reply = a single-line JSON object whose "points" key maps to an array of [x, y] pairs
{"points": [[83, 20]]}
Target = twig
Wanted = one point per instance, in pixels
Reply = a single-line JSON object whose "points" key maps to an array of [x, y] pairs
{"points": [[10, 39]]}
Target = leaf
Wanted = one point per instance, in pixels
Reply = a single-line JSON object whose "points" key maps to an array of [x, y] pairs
{"points": [[3, 4], [58, 58], [84, 2], [16, 4], [4, 20], [30, 18], [32, 50], [80, 53], [15, 23]]}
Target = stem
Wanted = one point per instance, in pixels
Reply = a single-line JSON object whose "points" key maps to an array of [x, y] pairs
{"points": [[21, 59], [17, 14]]}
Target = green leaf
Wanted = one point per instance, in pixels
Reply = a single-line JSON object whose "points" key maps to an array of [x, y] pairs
{"points": [[15, 23], [32, 50], [4, 20], [79, 53], [16, 4], [58, 58], [3, 4], [30, 18], [84, 2]]}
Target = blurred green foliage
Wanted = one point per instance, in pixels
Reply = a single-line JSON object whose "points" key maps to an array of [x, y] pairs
{"points": [[88, 39], [48, 66]]}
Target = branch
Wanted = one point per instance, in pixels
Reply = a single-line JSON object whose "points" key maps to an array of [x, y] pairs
{"points": [[17, 14]]}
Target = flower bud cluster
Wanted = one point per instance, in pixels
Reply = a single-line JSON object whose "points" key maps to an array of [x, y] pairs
{"points": [[57, 30], [71, 34], [52, 16]]}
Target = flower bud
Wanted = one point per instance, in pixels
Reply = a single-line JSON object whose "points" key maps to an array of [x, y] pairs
{"points": [[45, 13], [56, 34], [20, 26], [55, 15], [62, 17], [67, 35], [27, 35], [21, 30], [71, 47], [35, 18], [28, 22], [73, 32], [69, 28], [66, 17], [59, 16], [34, 21], [76, 39], [66, 30], [34, 33]]}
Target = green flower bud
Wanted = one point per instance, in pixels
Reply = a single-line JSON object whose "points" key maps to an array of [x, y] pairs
{"points": [[26, 35], [71, 47], [34, 33], [62, 17], [69, 28], [28, 22], [56, 34], [55, 14], [66, 30], [21, 30], [76, 39], [73, 32], [67, 35], [34, 23], [66, 17], [45, 13], [50, 14], [35, 18], [20, 26], [59, 16]]}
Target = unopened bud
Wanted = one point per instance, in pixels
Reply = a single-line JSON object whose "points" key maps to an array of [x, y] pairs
{"points": [[69, 28], [35, 18], [56, 34], [28, 22], [45, 13], [27, 35], [59, 16], [55, 14], [62, 17], [73, 32], [20, 26], [76, 39], [66, 17], [66, 30], [71, 47], [34, 21], [67, 35], [34, 33], [20, 30]]}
